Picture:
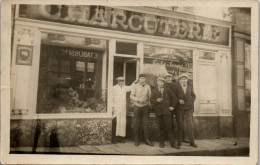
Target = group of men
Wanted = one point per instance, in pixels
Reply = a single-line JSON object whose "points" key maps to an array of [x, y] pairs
{"points": [[169, 99]]}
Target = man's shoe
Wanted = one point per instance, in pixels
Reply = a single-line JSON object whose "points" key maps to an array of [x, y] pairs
{"points": [[161, 145], [175, 146], [149, 143], [114, 142], [121, 139], [136, 144], [185, 141], [193, 145], [179, 143]]}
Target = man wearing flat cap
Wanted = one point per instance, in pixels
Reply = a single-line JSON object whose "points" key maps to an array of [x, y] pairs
{"points": [[163, 100], [140, 96], [119, 109], [186, 98], [173, 85]]}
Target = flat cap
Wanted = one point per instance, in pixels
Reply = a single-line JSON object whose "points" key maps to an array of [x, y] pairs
{"points": [[167, 75], [183, 75], [120, 79], [142, 75], [160, 79]]}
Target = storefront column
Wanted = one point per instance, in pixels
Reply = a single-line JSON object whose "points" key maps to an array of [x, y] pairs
{"points": [[140, 63], [112, 51], [225, 117], [23, 63]]}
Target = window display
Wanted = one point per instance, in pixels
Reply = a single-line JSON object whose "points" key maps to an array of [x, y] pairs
{"points": [[159, 61], [70, 80]]}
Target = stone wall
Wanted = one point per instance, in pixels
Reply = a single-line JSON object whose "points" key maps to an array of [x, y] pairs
{"points": [[60, 132], [204, 127]]}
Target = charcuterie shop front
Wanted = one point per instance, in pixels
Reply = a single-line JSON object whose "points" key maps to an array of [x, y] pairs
{"points": [[65, 59]]}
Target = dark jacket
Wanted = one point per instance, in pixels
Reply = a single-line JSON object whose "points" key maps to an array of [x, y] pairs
{"points": [[188, 98], [169, 100], [174, 86]]}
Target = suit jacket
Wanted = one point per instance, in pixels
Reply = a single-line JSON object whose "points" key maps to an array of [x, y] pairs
{"points": [[174, 86], [188, 98], [169, 100]]}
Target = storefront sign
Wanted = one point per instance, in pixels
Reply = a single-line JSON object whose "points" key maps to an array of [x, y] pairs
{"points": [[128, 21], [83, 54], [66, 40], [171, 54]]}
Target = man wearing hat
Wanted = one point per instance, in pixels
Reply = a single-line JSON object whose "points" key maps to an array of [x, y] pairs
{"points": [[186, 98], [119, 109], [163, 101], [171, 83], [140, 96]]}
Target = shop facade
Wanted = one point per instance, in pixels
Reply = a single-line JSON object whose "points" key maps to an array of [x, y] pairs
{"points": [[65, 60]]}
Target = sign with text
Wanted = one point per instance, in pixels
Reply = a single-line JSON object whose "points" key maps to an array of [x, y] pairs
{"points": [[128, 21], [67, 40]]}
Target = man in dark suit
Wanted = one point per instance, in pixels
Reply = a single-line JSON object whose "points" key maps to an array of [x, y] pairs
{"points": [[186, 98], [162, 101], [173, 85]]}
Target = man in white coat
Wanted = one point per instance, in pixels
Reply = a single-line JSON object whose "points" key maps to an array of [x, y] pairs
{"points": [[119, 110]]}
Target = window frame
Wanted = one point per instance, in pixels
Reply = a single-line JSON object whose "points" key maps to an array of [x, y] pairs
{"points": [[35, 71]]}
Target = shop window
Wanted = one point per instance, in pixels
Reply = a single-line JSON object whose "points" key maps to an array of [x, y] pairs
{"points": [[126, 48], [159, 61], [70, 80], [248, 76]]}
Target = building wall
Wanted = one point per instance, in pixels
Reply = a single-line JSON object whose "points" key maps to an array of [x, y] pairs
{"points": [[60, 132], [212, 118], [241, 71]]}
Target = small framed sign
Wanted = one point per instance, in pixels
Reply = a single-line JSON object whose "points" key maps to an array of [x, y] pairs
{"points": [[24, 55]]}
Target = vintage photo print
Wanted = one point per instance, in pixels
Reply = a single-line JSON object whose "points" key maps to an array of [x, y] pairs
{"points": [[133, 82]]}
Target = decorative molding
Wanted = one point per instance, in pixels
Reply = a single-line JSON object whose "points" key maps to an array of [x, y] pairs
{"points": [[25, 36], [19, 111], [51, 27], [225, 111]]}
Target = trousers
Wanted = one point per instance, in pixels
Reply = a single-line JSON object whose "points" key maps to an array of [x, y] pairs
{"points": [[185, 117], [164, 123], [140, 120]]}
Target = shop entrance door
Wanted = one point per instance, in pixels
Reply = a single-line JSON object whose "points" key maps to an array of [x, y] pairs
{"points": [[207, 87], [126, 67]]}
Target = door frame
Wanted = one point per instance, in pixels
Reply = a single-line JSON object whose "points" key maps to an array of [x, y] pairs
{"points": [[112, 54]]}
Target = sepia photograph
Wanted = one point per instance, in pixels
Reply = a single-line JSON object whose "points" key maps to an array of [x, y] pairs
{"points": [[109, 80]]}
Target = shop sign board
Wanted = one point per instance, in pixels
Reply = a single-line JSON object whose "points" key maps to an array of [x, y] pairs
{"points": [[129, 21], [66, 40]]}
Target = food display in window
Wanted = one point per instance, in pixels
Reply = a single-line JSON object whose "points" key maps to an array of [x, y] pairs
{"points": [[68, 84], [159, 61]]}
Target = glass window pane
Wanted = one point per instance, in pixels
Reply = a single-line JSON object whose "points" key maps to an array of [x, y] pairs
{"points": [[126, 48], [68, 81], [159, 61], [248, 76]]}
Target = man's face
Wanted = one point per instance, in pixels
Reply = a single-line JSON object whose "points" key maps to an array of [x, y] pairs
{"points": [[183, 80], [142, 80], [120, 82], [160, 84], [168, 79]]}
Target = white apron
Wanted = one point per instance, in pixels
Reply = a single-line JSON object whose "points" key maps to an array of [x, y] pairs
{"points": [[119, 104]]}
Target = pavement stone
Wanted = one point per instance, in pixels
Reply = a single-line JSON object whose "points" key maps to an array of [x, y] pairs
{"points": [[206, 147]]}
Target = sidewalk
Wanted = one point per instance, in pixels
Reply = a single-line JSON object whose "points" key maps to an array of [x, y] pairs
{"points": [[206, 147]]}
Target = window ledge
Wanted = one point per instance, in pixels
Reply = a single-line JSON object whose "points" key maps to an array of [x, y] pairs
{"points": [[63, 116]]}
